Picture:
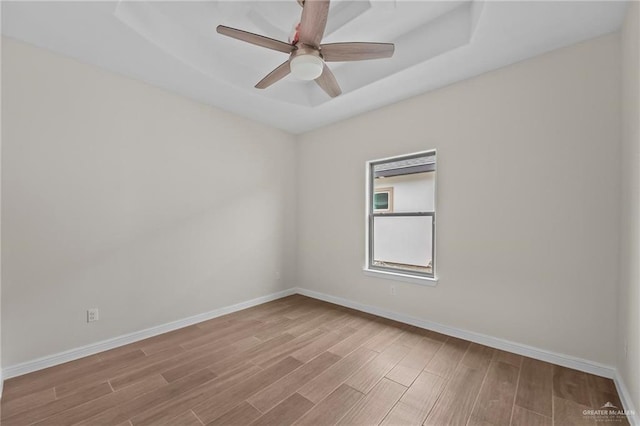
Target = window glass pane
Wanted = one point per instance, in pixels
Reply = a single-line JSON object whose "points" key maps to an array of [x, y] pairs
{"points": [[411, 193], [403, 242], [382, 199]]}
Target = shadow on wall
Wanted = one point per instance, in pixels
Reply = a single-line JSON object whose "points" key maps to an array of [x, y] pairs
{"points": [[212, 258]]}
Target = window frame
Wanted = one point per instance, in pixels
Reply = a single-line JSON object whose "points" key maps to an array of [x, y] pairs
{"points": [[394, 273]]}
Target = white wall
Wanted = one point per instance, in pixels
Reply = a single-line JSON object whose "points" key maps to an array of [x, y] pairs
{"points": [[1, 375], [121, 196], [629, 296], [527, 186]]}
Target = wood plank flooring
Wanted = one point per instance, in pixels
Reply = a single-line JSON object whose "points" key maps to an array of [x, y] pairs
{"points": [[305, 362]]}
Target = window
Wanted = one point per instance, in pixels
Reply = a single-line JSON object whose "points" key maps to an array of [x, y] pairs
{"points": [[383, 200], [401, 215]]}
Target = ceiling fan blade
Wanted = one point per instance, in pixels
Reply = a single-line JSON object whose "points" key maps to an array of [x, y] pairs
{"points": [[256, 39], [327, 81], [313, 22], [343, 52], [277, 74]]}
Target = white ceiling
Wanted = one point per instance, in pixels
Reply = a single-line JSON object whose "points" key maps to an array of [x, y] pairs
{"points": [[174, 45]]}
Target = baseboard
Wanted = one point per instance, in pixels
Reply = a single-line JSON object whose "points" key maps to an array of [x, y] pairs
{"points": [[625, 398], [483, 339], [1, 384], [73, 354]]}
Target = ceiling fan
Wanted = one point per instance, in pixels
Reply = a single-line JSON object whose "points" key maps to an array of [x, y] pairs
{"points": [[307, 56]]}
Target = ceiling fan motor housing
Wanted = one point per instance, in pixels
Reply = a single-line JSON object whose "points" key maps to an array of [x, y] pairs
{"points": [[306, 63]]}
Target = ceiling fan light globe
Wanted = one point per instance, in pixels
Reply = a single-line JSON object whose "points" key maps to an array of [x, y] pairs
{"points": [[307, 67]]}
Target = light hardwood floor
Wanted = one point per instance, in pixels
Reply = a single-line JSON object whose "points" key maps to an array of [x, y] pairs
{"points": [[302, 361]]}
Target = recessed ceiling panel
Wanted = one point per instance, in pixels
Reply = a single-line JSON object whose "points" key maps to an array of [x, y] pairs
{"points": [[420, 32]]}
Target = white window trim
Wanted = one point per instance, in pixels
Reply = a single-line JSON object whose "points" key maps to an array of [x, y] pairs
{"points": [[395, 276]]}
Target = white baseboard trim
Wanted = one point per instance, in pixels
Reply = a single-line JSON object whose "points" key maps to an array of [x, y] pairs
{"points": [[1, 383], [93, 348], [483, 339], [625, 398]]}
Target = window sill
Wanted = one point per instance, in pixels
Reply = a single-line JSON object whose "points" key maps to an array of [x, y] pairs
{"points": [[431, 282]]}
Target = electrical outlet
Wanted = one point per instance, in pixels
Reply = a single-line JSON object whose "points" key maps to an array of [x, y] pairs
{"points": [[392, 290], [92, 315]]}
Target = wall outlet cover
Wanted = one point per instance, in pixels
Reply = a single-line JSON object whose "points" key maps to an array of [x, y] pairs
{"points": [[92, 315]]}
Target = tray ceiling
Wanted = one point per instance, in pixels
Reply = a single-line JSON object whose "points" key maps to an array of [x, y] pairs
{"points": [[174, 45]]}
